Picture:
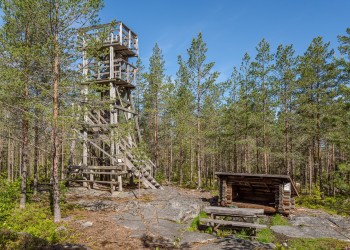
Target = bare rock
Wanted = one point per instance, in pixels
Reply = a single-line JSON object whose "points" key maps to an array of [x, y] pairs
{"points": [[196, 237], [87, 224]]}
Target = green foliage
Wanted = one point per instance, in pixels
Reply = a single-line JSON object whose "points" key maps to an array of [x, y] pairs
{"points": [[195, 222], [317, 244], [12, 240], [265, 236], [341, 179], [279, 220], [224, 232], [9, 195], [35, 220], [160, 177], [243, 234], [331, 204], [29, 228]]}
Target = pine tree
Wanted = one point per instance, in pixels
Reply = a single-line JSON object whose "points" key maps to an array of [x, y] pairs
{"points": [[182, 108], [155, 84], [22, 37], [262, 71], [202, 79], [315, 94], [286, 83]]}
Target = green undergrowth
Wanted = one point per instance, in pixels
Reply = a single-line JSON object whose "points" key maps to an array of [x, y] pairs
{"points": [[266, 235], [33, 226], [278, 220], [9, 197], [317, 244], [331, 204], [196, 221]]}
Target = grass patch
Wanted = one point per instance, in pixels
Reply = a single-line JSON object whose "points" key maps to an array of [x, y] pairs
{"points": [[265, 236], [243, 234], [195, 222], [317, 244], [225, 232], [279, 220]]}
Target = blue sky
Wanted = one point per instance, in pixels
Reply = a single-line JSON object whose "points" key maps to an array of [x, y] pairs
{"points": [[230, 28]]}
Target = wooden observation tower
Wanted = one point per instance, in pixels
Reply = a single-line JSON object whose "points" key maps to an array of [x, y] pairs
{"points": [[109, 132]]}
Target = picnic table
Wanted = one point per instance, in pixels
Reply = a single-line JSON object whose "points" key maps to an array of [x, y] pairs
{"points": [[245, 214]]}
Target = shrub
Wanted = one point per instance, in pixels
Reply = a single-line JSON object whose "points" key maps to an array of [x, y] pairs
{"points": [[9, 196], [279, 220], [35, 220], [195, 222]]}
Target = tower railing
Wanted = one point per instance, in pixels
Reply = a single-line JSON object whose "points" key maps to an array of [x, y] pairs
{"points": [[112, 34]]}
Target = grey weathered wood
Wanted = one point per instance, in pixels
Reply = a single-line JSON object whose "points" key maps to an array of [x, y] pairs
{"points": [[101, 140], [106, 173], [233, 223], [125, 109], [233, 211], [118, 167], [94, 181]]}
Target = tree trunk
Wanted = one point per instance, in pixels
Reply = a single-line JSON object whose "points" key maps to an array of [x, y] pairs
{"points": [[62, 155], [191, 162], [181, 164], [9, 176], [156, 131], [36, 158], [198, 133], [310, 169], [24, 162], [1, 149], [171, 159], [55, 141]]}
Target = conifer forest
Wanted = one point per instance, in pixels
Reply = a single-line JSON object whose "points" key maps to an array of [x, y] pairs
{"points": [[279, 112]]}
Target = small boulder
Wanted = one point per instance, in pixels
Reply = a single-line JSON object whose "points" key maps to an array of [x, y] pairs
{"points": [[86, 224]]}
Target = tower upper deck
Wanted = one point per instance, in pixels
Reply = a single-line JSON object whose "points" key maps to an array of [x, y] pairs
{"points": [[115, 34]]}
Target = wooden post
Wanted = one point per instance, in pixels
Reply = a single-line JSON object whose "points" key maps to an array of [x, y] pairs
{"points": [[224, 191], [120, 188], [121, 33], [85, 115], [228, 191]]}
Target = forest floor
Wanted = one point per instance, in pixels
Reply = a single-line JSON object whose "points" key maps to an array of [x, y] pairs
{"points": [[150, 219]]}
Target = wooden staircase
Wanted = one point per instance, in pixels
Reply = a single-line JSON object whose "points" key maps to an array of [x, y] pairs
{"points": [[140, 169]]}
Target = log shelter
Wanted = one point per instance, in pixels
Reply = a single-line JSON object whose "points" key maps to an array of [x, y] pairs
{"points": [[273, 193]]}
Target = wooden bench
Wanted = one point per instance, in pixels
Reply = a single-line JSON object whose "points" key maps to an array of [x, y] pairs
{"points": [[242, 213], [233, 211], [236, 224]]}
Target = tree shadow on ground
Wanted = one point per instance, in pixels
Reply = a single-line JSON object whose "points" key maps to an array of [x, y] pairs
{"points": [[25, 241], [213, 201], [232, 242]]}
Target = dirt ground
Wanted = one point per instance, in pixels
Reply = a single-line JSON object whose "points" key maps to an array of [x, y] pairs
{"points": [[95, 226], [103, 234]]}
